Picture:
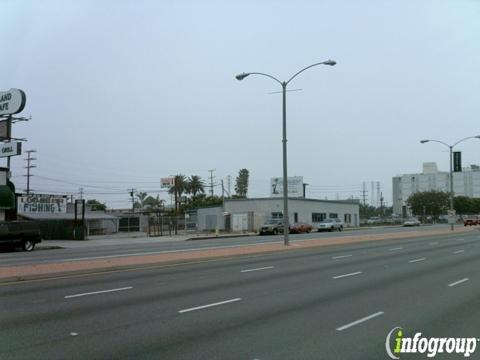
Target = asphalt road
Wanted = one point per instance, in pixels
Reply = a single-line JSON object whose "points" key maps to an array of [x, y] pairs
{"points": [[316, 303], [126, 248]]}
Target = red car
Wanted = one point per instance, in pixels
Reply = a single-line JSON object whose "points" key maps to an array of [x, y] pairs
{"points": [[300, 228]]}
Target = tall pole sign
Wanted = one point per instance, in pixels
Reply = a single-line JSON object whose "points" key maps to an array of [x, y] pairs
{"points": [[12, 101]]}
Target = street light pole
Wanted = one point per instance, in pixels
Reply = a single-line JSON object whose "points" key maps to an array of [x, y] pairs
{"points": [[450, 147], [284, 85]]}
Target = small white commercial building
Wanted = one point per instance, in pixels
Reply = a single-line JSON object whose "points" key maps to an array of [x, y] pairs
{"points": [[250, 214]]}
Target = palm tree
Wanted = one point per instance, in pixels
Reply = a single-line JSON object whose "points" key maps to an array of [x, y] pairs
{"points": [[141, 196], [195, 185], [180, 186]]}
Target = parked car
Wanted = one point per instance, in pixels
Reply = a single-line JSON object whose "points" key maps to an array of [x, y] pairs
{"points": [[471, 221], [25, 234], [331, 225], [411, 222], [300, 228], [273, 227]]}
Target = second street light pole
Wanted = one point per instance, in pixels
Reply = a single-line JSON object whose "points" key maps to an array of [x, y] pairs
{"points": [[450, 147], [284, 85]]}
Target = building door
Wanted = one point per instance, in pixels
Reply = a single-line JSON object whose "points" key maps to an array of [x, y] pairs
{"points": [[239, 222], [295, 217]]}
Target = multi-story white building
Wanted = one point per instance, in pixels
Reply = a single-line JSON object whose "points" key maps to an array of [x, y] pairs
{"points": [[465, 183]]}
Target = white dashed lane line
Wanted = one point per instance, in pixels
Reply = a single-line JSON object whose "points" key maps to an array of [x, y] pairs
{"points": [[346, 275], [369, 317], [257, 269], [459, 251], [396, 249], [416, 260], [209, 305], [341, 257], [458, 282], [98, 292]]}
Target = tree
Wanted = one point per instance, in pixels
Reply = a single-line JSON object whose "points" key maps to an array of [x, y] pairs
{"points": [[195, 186], [180, 187], [140, 203], [241, 185], [96, 205], [432, 203]]}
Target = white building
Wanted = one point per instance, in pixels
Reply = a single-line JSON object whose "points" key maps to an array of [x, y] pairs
{"points": [[250, 214], [465, 183]]}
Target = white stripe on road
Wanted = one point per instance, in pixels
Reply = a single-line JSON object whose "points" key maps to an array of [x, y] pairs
{"points": [[345, 275], [341, 257], [416, 260], [344, 327], [458, 282], [395, 249], [98, 292], [257, 269], [209, 305], [458, 251]]}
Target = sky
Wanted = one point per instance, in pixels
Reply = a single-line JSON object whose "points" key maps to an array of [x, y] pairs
{"points": [[123, 93]]}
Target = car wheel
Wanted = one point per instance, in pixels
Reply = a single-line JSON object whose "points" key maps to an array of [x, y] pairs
{"points": [[340, 228], [275, 231], [28, 245]]}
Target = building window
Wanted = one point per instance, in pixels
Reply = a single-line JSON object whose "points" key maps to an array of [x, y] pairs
{"points": [[333, 215], [277, 215], [295, 217], [347, 218], [318, 217]]}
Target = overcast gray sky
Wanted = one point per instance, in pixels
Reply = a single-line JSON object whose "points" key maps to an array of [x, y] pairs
{"points": [[122, 93]]}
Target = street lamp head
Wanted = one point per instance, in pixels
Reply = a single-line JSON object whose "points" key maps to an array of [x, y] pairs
{"points": [[477, 137], [329, 62], [241, 76], [424, 141]]}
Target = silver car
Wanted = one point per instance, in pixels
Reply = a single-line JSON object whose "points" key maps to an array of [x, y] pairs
{"points": [[331, 225]]}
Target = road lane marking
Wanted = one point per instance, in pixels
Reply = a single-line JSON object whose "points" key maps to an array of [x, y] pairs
{"points": [[341, 256], [98, 292], [209, 305], [458, 251], [73, 334], [416, 260], [458, 282], [344, 327], [346, 275], [257, 269], [395, 249]]}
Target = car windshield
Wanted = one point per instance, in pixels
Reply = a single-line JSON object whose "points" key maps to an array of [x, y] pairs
{"points": [[328, 221], [270, 222]]}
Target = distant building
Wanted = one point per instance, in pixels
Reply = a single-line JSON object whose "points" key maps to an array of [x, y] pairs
{"points": [[465, 183]]}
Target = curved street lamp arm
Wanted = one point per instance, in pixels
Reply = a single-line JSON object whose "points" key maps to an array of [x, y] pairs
{"points": [[270, 76], [470, 137], [441, 142], [308, 67]]}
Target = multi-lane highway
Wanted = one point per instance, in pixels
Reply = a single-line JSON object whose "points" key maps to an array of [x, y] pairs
{"points": [[317, 303]]}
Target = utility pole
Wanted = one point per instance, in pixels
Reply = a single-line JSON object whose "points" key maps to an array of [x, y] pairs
{"points": [[211, 181], [364, 194], [29, 166], [80, 191], [379, 194], [176, 203], [229, 180], [223, 191]]}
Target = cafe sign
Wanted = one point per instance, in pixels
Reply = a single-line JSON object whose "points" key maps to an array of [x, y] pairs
{"points": [[12, 101]]}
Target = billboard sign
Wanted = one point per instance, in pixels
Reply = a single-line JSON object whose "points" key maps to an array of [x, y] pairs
{"points": [[12, 101], [10, 149], [295, 187], [42, 204], [167, 183], [5, 130]]}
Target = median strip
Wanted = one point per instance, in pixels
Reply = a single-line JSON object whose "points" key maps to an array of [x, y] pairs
{"points": [[369, 317], [346, 275], [98, 292], [209, 305], [458, 282]]}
